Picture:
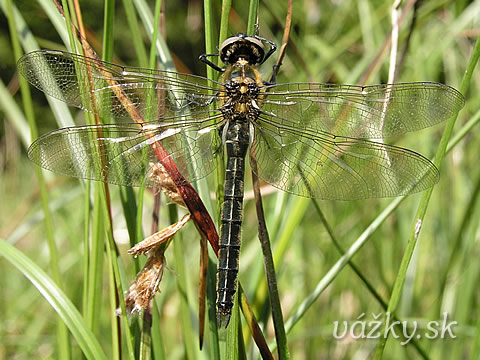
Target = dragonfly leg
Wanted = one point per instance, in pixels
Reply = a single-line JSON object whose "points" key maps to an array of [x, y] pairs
{"points": [[203, 58], [273, 77], [273, 48]]}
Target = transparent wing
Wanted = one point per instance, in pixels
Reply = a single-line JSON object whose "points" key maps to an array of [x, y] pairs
{"points": [[325, 166], [369, 112], [116, 91], [179, 109], [125, 154]]}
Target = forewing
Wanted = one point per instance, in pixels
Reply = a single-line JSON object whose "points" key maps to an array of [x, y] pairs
{"points": [[124, 154], [369, 112], [116, 91], [324, 166]]}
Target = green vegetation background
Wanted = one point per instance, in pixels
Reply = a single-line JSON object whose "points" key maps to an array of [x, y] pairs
{"points": [[331, 41]]}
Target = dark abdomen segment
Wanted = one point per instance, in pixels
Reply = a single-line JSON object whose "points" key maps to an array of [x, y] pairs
{"points": [[237, 141]]}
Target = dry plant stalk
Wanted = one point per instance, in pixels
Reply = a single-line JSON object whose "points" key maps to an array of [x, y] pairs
{"points": [[140, 294]]}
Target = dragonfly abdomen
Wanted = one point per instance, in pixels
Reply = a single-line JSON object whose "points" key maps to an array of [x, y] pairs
{"points": [[237, 141]]}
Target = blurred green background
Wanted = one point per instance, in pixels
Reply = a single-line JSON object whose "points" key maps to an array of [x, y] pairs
{"points": [[331, 41]]}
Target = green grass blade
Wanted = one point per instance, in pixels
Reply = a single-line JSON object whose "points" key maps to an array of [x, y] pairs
{"points": [[146, 318], [129, 205], [157, 340], [86, 249], [210, 48], [156, 26], [66, 14], [135, 32], [223, 33], [204, 191], [57, 21], [465, 129], [16, 116], [57, 299], [214, 349], [252, 17], [118, 313], [234, 347], [95, 264], [147, 19], [108, 24], [189, 338]]}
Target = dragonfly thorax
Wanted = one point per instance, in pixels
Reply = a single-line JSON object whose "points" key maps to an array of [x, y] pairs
{"points": [[242, 87]]}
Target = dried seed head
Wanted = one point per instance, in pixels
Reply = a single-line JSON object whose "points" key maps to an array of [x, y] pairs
{"points": [[154, 241], [165, 183], [140, 294]]}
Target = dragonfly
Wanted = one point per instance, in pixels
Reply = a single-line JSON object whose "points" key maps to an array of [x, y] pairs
{"points": [[315, 140]]}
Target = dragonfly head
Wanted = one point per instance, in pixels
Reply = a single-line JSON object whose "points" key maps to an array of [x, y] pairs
{"points": [[242, 47]]}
